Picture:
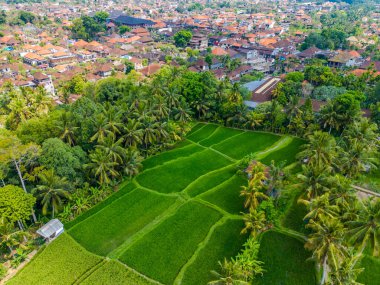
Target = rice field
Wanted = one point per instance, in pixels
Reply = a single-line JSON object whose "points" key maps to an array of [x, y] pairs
{"points": [[172, 223]]}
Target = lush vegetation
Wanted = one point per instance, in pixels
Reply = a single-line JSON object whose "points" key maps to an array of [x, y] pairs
{"points": [[186, 235]]}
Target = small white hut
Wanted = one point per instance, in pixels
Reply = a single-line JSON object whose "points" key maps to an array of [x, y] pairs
{"points": [[51, 230]]}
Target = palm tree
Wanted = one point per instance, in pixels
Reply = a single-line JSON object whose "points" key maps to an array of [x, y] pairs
{"points": [[100, 123], [342, 193], [172, 98], [358, 157], [320, 151], [254, 194], [327, 245], [132, 133], [149, 134], [67, 129], [182, 114], [41, 101], [52, 190], [102, 166], [320, 207], [348, 271], [362, 130], [331, 117], [160, 108], [113, 148], [255, 222], [312, 181], [132, 162], [365, 230], [201, 107], [253, 120], [230, 274], [113, 120]]}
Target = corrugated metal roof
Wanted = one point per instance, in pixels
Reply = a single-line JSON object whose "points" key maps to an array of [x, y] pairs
{"points": [[50, 228]]}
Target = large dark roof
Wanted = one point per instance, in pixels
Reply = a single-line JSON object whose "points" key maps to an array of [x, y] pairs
{"points": [[131, 21]]}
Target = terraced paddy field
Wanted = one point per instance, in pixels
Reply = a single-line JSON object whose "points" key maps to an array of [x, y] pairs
{"points": [[173, 223]]}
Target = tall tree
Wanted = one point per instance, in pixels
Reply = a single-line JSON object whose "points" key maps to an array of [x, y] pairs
{"points": [[51, 191]]}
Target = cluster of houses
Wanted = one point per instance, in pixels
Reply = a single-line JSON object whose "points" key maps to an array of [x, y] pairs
{"points": [[258, 41]]}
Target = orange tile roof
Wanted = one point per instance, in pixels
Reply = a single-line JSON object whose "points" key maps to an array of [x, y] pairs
{"points": [[218, 51]]}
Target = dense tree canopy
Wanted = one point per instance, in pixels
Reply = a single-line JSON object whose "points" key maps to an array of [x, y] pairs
{"points": [[16, 205]]}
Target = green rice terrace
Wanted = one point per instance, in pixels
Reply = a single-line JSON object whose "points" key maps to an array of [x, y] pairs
{"points": [[175, 221]]}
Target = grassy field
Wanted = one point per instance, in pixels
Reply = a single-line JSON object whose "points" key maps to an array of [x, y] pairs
{"points": [[371, 273], [115, 273], [127, 216], [172, 243], [286, 154], [285, 261], [224, 242], [176, 175], [174, 221], [250, 142], [62, 262]]}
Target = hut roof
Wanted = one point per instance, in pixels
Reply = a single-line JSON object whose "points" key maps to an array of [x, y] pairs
{"points": [[50, 228]]}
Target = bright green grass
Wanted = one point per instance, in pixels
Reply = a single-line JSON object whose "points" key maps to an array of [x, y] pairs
{"points": [[203, 133], [225, 242], [115, 273], [246, 143], [196, 127], [108, 229], [219, 135], [175, 176], [210, 180], [227, 195], [371, 273], [61, 262], [171, 154], [161, 253], [287, 153], [285, 261], [129, 187]]}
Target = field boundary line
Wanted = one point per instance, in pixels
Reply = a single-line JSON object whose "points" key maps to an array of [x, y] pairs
{"points": [[214, 150], [210, 135], [217, 208], [129, 242], [205, 175], [174, 160], [204, 125], [158, 154], [291, 233], [278, 145], [231, 137], [215, 188], [172, 194], [68, 231], [138, 273], [227, 139], [201, 245]]}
